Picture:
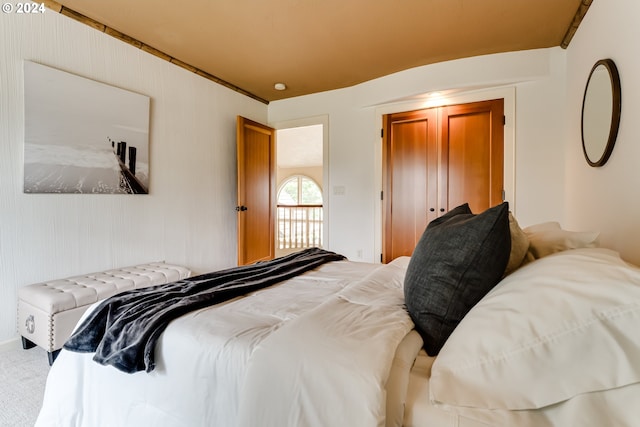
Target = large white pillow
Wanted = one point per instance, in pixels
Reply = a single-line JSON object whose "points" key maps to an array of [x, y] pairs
{"points": [[564, 325]]}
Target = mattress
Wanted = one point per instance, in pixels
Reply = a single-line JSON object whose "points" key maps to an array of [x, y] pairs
{"points": [[419, 411]]}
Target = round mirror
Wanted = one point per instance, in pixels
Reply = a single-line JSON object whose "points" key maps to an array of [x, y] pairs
{"points": [[601, 112]]}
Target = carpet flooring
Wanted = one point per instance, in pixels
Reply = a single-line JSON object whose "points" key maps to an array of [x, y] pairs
{"points": [[23, 374]]}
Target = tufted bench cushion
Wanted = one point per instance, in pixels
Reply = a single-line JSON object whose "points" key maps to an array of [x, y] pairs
{"points": [[48, 311]]}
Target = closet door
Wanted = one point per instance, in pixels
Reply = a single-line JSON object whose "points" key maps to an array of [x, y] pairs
{"points": [[437, 159], [410, 179], [472, 155]]}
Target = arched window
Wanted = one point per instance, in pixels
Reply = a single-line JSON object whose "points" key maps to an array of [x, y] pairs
{"points": [[299, 190], [299, 213]]}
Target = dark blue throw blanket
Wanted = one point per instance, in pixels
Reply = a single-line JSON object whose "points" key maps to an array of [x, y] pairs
{"points": [[123, 329]]}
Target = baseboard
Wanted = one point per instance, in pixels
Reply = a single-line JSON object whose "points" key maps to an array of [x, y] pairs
{"points": [[10, 344]]}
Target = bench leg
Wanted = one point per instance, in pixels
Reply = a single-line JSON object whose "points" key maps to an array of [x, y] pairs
{"points": [[52, 356], [26, 344]]}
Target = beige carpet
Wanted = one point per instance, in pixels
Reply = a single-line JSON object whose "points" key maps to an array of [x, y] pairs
{"points": [[23, 374]]}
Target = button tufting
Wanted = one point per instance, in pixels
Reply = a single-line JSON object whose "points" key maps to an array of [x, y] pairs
{"points": [[59, 300]]}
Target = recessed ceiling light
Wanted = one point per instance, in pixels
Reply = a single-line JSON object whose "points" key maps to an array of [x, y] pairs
{"points": [[280, 86]]}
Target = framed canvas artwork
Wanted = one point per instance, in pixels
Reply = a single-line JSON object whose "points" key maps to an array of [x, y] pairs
{"points": [[83, 136]]}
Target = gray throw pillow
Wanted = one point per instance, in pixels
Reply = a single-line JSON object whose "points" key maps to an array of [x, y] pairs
{"points": [[459, 258]]}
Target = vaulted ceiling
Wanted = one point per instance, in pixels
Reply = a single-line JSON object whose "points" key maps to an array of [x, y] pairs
{"points": [[318, 45]]}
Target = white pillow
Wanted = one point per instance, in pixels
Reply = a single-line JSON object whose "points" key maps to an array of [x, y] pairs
{"points": [[549, 237], [565, 325]]}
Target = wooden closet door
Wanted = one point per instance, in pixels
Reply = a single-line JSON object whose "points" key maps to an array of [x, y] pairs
{"points": [[410, 179], [437, 159], [472, 155]]}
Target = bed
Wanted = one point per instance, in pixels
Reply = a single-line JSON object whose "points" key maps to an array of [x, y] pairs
{"points": [[553, 342]]}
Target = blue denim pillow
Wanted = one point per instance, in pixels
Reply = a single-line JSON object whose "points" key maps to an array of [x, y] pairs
{"points": [[459, 258]]}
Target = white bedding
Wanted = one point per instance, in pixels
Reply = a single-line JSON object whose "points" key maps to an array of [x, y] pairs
{"points": [[610, 408], [313, 351], [557, 343], [420, 411], [335, 347]]}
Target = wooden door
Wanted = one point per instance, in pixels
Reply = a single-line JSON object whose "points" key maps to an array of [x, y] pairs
{"points": [[437, 159], [410, 175], [472, 155], [256, 191]]}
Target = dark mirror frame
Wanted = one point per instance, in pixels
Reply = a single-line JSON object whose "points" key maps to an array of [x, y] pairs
{"points": [[615, 113]]}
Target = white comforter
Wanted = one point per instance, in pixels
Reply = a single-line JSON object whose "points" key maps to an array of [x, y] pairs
{"points": [[316, 350]]}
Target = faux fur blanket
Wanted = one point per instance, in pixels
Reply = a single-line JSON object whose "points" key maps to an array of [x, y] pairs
{"points": [[123, 329]]}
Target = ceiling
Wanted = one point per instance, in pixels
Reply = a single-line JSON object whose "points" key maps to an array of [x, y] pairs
{"points": [[300, 147], [319, 45]]}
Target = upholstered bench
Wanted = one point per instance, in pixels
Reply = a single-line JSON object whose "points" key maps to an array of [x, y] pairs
{"points": [[48, 311]]}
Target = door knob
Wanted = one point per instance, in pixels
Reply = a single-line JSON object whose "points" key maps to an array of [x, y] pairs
{"points": [[241, 208]]}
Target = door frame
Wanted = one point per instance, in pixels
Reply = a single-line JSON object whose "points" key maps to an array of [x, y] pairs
{"points": [[324, 121], [508, 93]]}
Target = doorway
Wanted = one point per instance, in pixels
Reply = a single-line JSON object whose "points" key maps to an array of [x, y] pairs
{"points": [[300, 206]]}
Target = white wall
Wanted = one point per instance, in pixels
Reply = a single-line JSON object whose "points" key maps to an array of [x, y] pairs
{"points": [[188, 217], [533, 82], [607, 198]]}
